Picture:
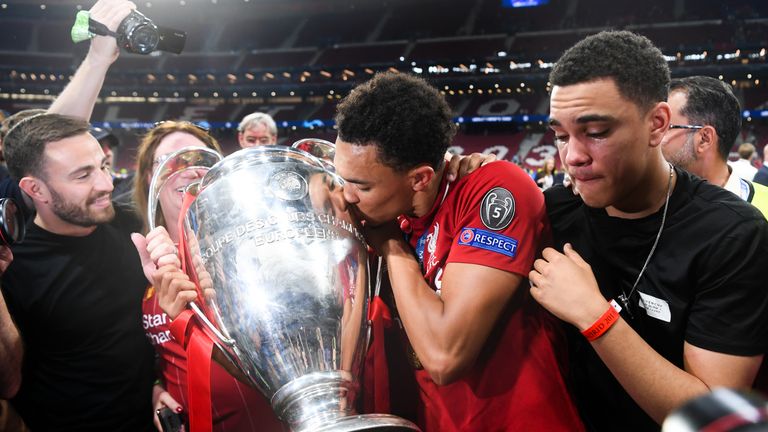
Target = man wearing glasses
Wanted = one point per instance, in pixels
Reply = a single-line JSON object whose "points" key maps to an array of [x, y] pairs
{"points": [[257, 129], [706, 120]]}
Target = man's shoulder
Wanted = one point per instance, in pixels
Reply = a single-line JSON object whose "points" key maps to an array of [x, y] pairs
{"points": [[761, 176], [715, 203], [503, 169], [499, 182], [561, 194], [502, 174], [744, 168], [560, 199], [126, 220], [760, 198], [763, 189]]}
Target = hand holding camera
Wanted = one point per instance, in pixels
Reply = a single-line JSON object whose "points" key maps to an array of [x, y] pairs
{"points": [[132, 31], [110, 13], [12, 223], [12, 230]]}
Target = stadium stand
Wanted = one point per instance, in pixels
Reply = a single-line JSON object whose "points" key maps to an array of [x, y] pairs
{"points": [[296, 59]]}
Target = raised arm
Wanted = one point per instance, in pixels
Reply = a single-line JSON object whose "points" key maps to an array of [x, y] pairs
{"points": [[79, 96]]}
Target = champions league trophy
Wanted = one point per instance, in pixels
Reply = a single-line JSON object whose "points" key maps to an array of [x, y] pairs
{"points": [[286, 296]]}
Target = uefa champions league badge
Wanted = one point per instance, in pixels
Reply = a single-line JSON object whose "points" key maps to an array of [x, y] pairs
{"points": [[497, 209], [288, 185]]}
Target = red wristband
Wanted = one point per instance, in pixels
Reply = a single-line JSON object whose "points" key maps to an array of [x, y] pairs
{"points": [[606, 321]]}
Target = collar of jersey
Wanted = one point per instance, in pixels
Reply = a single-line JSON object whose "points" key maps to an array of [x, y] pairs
{"points": [[420, 223]]}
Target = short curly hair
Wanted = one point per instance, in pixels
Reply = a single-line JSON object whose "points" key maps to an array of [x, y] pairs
{"points": [[636, 65], [407, 119], [711, 102]]}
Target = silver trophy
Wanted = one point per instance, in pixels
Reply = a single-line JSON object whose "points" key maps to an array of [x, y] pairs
{"points": [[283, 268], [319, 148]]}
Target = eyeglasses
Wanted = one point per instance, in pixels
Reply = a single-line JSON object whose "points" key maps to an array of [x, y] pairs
{"points": [[691, 127], [204, 126], [201, 126], [160, 159]]}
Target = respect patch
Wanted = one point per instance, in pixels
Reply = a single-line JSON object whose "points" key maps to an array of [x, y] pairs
{"points": [[488, 240]]}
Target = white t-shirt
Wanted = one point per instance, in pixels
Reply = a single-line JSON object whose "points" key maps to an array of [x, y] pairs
{"points": [[744, 169]]}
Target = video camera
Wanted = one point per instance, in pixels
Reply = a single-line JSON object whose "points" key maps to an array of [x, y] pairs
{"points": [[136, 34], [12, 223]]}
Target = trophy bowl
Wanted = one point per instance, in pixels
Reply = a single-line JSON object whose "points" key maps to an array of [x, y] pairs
{"points": [[286, 283]]}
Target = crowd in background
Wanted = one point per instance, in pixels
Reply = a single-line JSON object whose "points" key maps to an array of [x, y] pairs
{"points": [[629, 287]]}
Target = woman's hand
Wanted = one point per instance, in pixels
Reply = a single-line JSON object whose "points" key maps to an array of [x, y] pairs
{"points": [[161, 399], [156, 250]]}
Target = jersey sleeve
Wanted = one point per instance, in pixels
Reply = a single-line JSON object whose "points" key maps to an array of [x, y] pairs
{"points": [[730, 311], [500, 220]]}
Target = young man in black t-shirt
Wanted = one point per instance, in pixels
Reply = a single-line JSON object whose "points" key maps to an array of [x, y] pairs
{"points": [[75, 287], [680, 257]]}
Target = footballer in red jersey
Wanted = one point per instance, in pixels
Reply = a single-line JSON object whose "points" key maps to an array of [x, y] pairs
{"points": [[484, 354]]}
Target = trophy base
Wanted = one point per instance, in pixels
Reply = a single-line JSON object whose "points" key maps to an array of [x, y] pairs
{"points": [[319, 402], [367, 422]]}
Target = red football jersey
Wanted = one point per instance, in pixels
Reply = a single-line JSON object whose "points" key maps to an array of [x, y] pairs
{"points": [[235, 407], [495, 217]]}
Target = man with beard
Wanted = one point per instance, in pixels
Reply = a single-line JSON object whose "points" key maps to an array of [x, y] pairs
{"points": [[75, 286], [705, 122]]}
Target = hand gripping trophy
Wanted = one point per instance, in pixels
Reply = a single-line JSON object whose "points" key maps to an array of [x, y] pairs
{"points": [[282, 271]]}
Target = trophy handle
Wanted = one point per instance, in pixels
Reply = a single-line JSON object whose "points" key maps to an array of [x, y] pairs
{"points": [[181, 160], [201, 315], [177, 162], [372, 293], [319, 148]]}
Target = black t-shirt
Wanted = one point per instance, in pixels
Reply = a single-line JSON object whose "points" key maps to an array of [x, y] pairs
{"points": [[704, 284], [77, 301]]}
